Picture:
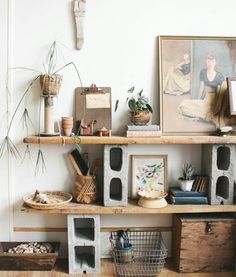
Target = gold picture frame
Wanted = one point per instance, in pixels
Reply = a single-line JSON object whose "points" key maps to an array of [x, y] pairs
{"points": [[149, 173], [193, 88]]}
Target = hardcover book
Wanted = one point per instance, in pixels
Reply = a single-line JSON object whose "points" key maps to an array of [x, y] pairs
{"points": [[189, 200], [78, 162], [131, 134], [143, 128], [180, 193]]}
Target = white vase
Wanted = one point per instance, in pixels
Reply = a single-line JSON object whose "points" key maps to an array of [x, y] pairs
{"points": [[186, 185]]}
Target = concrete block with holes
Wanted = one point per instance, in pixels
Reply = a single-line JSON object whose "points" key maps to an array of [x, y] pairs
{"points": [[84, 243], [115, 190], [218, 162]]}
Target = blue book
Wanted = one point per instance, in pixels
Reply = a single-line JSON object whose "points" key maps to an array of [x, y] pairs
{"points": [[189, 200], [143, 127], [180, 193]]}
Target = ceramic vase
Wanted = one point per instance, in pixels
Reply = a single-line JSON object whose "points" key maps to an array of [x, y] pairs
{"points": [[140, 118], [186, 185], [67, 125], [48, 115]]}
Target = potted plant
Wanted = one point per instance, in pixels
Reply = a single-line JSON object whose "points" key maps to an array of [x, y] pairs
{"points": [[50, 82], [186, 181], [139, 106], [123, 247]]}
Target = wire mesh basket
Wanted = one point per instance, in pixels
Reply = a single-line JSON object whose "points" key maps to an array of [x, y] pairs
{"points": [[144, 256]]}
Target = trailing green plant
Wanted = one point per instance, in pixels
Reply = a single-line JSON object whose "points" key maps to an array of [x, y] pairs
{"points": [[136, 102], [51, 67], [188, 171]]}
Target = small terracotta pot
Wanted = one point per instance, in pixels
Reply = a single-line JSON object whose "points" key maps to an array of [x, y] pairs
{"points": [[67, 125], [140, 118]]}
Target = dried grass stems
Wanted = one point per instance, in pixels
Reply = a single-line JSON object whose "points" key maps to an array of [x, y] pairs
{"points": [[51, 67]]}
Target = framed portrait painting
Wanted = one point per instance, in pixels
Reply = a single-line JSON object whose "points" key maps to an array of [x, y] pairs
{"points": [[193, 87], [149, 173]]}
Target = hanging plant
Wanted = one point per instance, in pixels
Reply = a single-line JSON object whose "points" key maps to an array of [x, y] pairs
{"points": [[50, 82]]}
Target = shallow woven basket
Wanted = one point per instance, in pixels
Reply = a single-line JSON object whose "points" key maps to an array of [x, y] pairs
{"points": [[50, 84], [85, 189], [57, 199]]}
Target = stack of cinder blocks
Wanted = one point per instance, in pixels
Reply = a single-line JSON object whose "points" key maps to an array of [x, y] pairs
{"points": [[218, 163], [115, 192], [84, 243]]}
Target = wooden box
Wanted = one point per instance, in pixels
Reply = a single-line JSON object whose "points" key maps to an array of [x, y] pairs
{"points": [[204, 242], [27, 261]]}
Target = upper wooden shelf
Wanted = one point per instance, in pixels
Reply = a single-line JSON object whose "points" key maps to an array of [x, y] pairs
{"points": [[125, 140], [132, 208]]}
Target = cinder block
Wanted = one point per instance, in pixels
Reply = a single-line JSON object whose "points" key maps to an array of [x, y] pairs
{"points": [[218, 163], [84, 243], [115, 191], [83, 229]]}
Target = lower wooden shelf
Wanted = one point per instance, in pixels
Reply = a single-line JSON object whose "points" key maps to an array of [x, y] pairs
{"points": [[132, 208], [108, 270]]}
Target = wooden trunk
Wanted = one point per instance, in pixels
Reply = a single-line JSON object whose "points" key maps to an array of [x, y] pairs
{"points": [[204, 243], [26, 261]]}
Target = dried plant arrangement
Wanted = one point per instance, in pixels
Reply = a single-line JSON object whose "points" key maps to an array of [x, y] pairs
{"points": [[50, 82]]}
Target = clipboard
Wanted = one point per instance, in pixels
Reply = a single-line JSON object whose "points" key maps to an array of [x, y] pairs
{"points": [[94, 104]]}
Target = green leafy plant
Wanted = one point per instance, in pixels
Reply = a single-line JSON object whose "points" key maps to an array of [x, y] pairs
{"points": [[136, 102], [51, 67], [188, 171]]}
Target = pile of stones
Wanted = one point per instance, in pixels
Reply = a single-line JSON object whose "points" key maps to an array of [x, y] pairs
{"points": [[31, 247]]}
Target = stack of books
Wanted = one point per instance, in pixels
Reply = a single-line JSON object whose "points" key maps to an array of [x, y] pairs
{"points": [[143, 131], [200, 184], [178, 196]]}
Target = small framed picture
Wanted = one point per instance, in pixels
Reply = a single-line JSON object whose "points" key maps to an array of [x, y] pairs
{"points": [[149, 173], [231, 82]]}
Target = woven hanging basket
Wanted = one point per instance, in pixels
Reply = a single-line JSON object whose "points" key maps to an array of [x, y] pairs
{"points": [[50, 84], [85, 189]]}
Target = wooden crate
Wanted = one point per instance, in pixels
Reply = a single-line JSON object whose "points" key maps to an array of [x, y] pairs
{"points": [[204, 242], [26, 261]]}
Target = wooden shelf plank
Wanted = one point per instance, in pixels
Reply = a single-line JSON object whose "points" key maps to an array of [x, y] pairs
{"points": [[132, 208], [125, 140]]}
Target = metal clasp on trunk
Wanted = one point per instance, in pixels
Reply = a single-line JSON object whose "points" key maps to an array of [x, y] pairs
{"points": [[209, 227]]}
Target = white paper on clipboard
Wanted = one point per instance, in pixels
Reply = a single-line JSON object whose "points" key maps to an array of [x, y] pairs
{"points": [[98, 101]]}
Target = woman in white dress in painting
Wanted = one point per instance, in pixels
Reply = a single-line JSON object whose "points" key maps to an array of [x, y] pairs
{"points": [[210, 95], [177, 80]]}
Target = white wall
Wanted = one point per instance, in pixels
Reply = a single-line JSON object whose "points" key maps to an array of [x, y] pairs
{"points": [[120, 51], [5, 186]]}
